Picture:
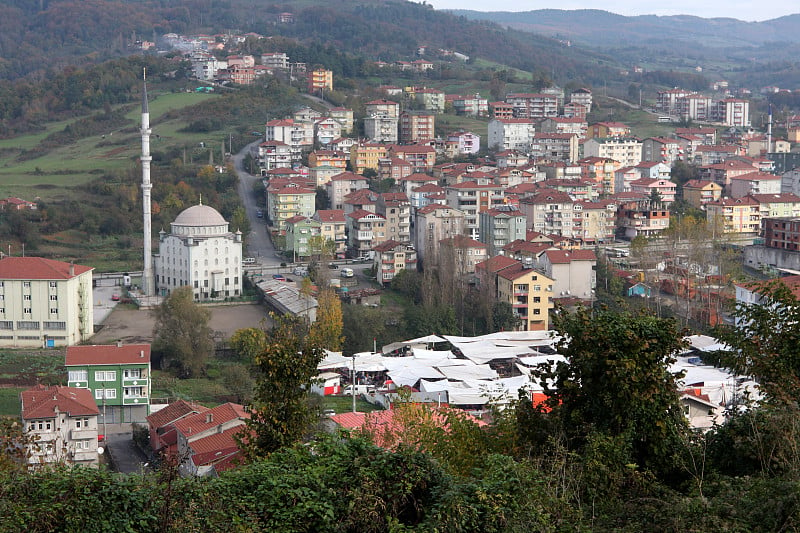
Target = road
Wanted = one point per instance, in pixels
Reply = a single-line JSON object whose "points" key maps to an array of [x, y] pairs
{"points": [[259, 244]]}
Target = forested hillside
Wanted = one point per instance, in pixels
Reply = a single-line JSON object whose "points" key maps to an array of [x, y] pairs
{"points": [[39, 36]]}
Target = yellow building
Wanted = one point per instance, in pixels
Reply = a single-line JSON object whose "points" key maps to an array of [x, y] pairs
{"points": [[530, 294], [320, 79], [698, 193], [366, 155], [528, 291], [734, 215]]}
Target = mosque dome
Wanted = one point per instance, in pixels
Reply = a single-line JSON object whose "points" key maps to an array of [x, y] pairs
{"points": [[200, 215]]}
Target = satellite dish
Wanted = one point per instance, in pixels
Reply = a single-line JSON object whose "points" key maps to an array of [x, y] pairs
{"points": [[100, 450]]}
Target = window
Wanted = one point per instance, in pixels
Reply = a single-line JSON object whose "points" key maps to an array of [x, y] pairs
{"points": [[105, 375], [27, 324], [27, 311], [108, 394], [26, 297], [6, 324], [78, 375], [53, 284], [54, 311], [54, 297], [134, 392], [81, 423], [82, 444], [132, 373], [26, 284]]}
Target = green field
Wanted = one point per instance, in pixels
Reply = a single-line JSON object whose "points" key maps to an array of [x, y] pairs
{"points": [[52, 174], [21, 369]]}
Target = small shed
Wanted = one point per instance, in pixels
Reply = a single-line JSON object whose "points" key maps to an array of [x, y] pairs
{"points": [[327, 383]]}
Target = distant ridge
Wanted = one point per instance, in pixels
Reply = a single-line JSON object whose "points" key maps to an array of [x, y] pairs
{"points": [[582, 25]]}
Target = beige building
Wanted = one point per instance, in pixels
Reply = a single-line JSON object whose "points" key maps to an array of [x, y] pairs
{"points": [[396, 208], [332, 228], [391, 258], [466, 253], [626, 150], [61, 423], [44, 303], [433, 223], [700, 192]]}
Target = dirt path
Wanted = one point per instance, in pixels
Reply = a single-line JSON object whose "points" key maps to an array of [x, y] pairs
{"points": [[134, 326]]}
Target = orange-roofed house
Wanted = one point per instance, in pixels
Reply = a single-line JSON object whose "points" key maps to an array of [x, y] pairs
{"points": [[118, 376], [206, 441], [530, 293], [700, 192], [163, 435], [44, 303], [61, 424]]}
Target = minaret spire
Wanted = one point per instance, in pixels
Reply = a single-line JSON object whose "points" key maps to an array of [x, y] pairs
{"points": [[148, 279]]}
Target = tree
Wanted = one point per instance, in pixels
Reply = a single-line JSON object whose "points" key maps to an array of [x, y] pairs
{"points": [[765, 341], [617, 386], [280, 412], [238, 381], [248, 342], [240, 222], [181, 334], [326, 331]]}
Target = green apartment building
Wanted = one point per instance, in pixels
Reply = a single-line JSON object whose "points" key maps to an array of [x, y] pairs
{"points": [[118, 376]]}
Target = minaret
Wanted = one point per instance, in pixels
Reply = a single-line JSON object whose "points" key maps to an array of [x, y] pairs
{"points": [[769, 131], [148, 280]]}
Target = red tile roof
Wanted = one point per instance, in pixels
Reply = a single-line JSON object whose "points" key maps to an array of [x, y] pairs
{"points": [[566, 257], [172, 412], [361, 213], [39, 268], [387, 246], [330, 215], [497, 263], [42, 401], [197, 423], [108, 354]]}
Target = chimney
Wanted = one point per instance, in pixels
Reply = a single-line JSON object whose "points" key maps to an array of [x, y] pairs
{"points": [[141, 353], [209, 418], [71, 269], [119, 344]]}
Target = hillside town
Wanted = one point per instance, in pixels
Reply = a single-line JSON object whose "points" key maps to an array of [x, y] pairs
{"points": [[531, 211]]}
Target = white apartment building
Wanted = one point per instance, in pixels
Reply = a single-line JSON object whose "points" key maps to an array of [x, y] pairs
{"points": [[44, 303]]}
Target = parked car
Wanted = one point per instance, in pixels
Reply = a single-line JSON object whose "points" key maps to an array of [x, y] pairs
{"points": [[300, 271], [260, 213], [333, 266], [115, 297], [279, 277], [347, 272], [249, 261]]}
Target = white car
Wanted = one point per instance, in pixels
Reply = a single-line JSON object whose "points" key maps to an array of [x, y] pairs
{"points": [[347, 272], [300, 271]]}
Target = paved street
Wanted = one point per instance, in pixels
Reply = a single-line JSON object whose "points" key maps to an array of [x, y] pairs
{"points": [[259, 245], [127, 458]]}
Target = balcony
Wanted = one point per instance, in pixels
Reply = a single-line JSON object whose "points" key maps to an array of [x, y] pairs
{"points": [[84, 455], [82, 434]]}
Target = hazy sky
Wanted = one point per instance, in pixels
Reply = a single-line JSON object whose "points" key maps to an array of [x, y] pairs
{"points": [[738, 9]]}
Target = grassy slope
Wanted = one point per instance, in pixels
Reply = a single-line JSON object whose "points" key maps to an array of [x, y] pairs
{"points": [[85, 159]]}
